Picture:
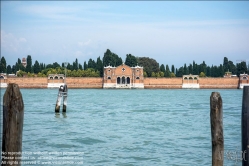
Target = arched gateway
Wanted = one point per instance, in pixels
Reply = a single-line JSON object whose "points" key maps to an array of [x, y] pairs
{"points": [[123, 76]]}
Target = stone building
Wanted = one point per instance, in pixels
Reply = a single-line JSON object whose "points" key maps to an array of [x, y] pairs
{"points": [[190, 81], [243, 80], [3, 80], [24, 62], [55, 80], [123, 76]]}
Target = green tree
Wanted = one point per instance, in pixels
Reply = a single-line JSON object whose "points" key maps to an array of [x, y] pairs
{"points": [[131, 60], [185, 69], [162, 68], [29, 64], [85, 65], [173, 69], [80, 67], [190, 69], [3, 65], [9, 71], [150, 65], [37, 67], [111, 59], [202, 74], [172, 74], [167, 72], [225, 64], [99, 66]]}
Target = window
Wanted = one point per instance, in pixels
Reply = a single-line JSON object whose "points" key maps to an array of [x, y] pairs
{"points": [[51, 78], [137, 78], [56, 77], [61, 77], [118, 80], [109, 78], [123, 80], [128, 80], [123, 69]]}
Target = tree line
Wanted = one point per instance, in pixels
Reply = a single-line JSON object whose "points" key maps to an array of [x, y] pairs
{"points": [[92, 68]]}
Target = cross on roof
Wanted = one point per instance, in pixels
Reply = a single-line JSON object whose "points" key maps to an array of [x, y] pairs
{"points": [[123, 69]]}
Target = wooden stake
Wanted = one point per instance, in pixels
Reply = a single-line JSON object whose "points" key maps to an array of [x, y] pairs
{"points": [[58, 101], [65, 98], [216, 119], [245, 126], [13, 112]]}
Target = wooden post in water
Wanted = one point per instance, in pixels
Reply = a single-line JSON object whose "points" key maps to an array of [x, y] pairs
{"points": [[216, 119], [58, 101], [62, 93], [65, 98], [13, 112], [245, 126]]}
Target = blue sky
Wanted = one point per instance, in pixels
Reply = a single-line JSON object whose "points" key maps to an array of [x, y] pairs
{"points": [[170, 32]]}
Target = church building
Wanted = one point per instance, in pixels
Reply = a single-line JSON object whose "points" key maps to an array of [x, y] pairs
{"points": [[123, 76]]}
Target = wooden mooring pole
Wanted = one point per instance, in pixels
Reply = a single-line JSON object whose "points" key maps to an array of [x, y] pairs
{"points": [[13, 112], [64, 98], [216, 119], [62, 93], [245, 126]]}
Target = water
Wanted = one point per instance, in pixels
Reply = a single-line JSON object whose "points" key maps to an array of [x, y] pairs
{"points": [[129, 127]]}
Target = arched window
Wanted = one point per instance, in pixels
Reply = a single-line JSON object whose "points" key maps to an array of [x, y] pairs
{"points": [[128, 80], [1, 77], [185, 78], [61, 77], [118, 80], [51, 78], [195, 78], [244, 78], [137, 78], [56, 77], [123, 80], [109, 78], [191, 78]]}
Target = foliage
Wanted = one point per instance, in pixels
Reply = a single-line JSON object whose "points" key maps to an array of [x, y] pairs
{"points": [[111, 59], [94, 68], [202, 74], [131, 60], [29, 64], [3, 65], [150, 65]]}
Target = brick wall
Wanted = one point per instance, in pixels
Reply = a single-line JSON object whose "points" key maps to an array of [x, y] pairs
{"points": [[226, 83], [149, 83], [163, 83]]}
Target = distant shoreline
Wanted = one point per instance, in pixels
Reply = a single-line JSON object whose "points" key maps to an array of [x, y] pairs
{"points": [[97, 83]]}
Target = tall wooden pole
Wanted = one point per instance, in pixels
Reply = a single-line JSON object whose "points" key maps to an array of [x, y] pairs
{"points": [[245, 126], [216, 119], [13, 112]]}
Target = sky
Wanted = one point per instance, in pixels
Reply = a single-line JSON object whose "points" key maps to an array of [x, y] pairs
{"points": [[167, 31]]}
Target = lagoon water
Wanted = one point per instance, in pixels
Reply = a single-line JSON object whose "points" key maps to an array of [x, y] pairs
{"points": [[128, 127]]}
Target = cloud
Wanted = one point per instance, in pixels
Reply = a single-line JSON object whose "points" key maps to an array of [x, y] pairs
{"points": [[22, 40], [82, 44], [11, 43]]}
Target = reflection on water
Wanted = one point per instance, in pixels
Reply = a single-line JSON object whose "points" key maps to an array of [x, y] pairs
{"points": [[64, 115]]}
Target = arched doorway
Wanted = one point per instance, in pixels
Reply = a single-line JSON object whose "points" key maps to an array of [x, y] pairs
{"points": [[123, 80], [128, 80], [118, 80]]}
